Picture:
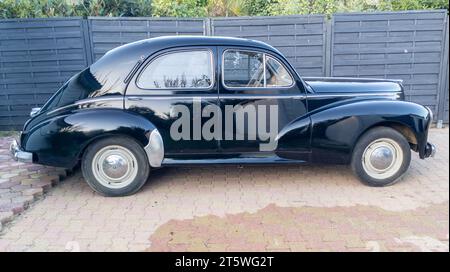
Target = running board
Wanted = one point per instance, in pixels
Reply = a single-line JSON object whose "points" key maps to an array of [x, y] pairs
{"points": [[238, 161]]}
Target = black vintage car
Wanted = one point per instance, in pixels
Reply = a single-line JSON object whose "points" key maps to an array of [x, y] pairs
{"points": [[215, 100]]}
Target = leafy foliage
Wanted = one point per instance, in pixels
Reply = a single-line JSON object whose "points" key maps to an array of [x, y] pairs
{"points": [[258, 7], [179, 8], [63, 8], [202, 8]]}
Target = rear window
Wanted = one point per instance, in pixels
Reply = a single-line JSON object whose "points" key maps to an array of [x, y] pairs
{"points": [[80, 86]]}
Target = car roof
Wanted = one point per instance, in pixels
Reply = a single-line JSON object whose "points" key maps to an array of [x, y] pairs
{"points": [[159, 43], [113, 67]]}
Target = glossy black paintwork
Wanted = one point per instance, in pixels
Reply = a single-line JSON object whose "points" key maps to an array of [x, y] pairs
{"points": [[320, 119], [60, 140]]}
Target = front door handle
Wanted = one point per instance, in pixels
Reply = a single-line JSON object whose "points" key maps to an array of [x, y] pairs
{"points": [[299, 97]]}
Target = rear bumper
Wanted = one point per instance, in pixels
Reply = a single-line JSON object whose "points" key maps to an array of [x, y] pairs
{"points": [[18, 154], [430, 150]]}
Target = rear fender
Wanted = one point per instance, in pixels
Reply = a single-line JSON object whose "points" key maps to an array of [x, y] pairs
{"points": [[60, 141]]}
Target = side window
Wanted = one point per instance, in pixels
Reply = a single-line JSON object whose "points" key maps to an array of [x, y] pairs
{"points": [[243, 69], [253, 70], [184, 69], [276, 74]]}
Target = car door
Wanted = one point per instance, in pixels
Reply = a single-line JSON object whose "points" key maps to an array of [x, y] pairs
{"points": [[261, 97], [171, 91]]}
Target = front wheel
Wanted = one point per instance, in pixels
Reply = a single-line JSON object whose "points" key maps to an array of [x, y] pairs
{"points": [[381, 157], [115, 166]]}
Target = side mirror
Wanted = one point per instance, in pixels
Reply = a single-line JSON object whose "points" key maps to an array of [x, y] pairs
{"points": [[34, 111]]}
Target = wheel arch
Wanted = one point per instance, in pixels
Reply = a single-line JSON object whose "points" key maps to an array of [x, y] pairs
{"points": [[400, 127], [102, 137], [337, 129]]}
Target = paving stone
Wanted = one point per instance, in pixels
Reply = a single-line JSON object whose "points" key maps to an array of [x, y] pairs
{"points": [[6, 217], [19, 188], [28, 181], [9, 184], [33, 192], [8, 175], [259, 208], [10, 194], [26, 199], [5, 201], [45, 185], [13, 207], [21, 183]]}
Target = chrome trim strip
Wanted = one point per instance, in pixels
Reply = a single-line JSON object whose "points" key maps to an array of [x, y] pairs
{"points": [[224, 96], [87, 100], [97, 99], [316, 78], [319, 95], [155, 149], [161, 97], [245, 96], [262, 96]]}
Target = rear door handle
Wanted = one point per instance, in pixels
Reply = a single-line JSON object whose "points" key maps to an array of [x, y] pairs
{"points": [[134, 98]]}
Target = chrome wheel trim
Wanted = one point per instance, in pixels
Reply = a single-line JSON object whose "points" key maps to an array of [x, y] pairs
{"points": [[114, 166], [382, 158]]}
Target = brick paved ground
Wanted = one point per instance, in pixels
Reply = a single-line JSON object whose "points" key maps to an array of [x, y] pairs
{"points": [[22, 184], [252, 208]]}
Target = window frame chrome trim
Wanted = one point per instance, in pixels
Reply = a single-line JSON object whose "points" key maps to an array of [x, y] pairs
{"points": [[222, 69]]}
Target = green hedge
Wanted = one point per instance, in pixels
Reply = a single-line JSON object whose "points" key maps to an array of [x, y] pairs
{"points": [[63, 8], [202, 8]]}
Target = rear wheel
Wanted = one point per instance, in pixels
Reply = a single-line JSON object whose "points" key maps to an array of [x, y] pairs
{"points": [[381, 157], [115, 166]]}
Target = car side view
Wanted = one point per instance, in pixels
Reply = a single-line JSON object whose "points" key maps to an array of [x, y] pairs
{"points": [[188, 100]]}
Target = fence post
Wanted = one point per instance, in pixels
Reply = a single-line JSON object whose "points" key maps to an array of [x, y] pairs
{"points": [[87, 41], [443, 79], [207, 27], [328, 45]]}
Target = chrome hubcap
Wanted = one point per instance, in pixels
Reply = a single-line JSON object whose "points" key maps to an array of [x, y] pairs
{"points": [[382, 158], [114, 166]]}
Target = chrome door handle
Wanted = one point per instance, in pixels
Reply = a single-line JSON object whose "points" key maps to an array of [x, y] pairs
{"points": [[134, 98]]}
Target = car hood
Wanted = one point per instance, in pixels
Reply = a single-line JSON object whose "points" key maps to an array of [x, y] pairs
{"points": [[353, 85]]}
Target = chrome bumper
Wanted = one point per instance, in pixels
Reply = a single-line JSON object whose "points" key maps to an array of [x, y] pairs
{"points": [[430, 150], [18, 154]]}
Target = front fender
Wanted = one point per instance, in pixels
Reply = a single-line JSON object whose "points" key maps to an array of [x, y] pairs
{"points": [[60, 140], [336, 130]]}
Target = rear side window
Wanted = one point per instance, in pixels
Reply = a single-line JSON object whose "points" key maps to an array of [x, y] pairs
{"points": [[243, 69], [183, 69], [250, 69], [276, 74]]}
